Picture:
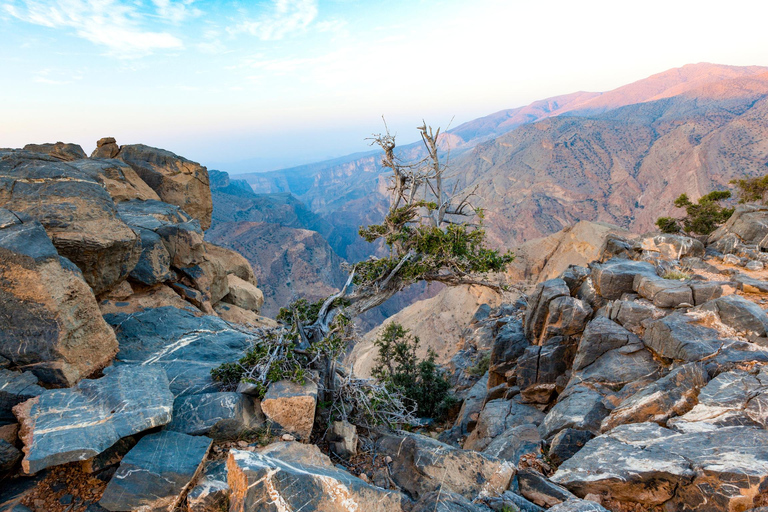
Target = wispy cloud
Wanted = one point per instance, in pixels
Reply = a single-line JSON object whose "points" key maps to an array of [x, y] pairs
{"points": [[116, 25], [287, 17]]}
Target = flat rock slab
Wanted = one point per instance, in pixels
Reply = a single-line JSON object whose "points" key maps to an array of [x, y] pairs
{"points": [[217, 415], [188, 347], [721, 469], [263, 481], [155, 473], [66, 425]]}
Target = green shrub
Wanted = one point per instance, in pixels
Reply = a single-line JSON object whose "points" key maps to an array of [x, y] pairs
{"points": [[702, 217], [481, 365], [675, 275], [752, 189], [420, 381]]}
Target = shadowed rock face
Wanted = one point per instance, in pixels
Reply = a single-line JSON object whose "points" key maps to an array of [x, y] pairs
{"points": [[127, 400], [60, 150]]}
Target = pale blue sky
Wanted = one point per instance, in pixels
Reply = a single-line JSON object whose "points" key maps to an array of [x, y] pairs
{"points": [[290, 81]]}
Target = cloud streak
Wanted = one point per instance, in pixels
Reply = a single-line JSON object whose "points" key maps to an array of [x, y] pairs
{"points": [[108, 23], [286, 18]]}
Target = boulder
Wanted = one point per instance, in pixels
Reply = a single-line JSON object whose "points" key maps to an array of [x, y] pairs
{"points": [[243, 294], [304, 480], [176, 180], [421, 465], [51, 323], [747, 226], [233, 262], [538, 306], [720, 469], [616, 276], [187, 346], [704, 291], [106, 147], [122, 182], [156, 473], [236, 315], [515, 442], [672, 247], [679, 337], [577, 505], [673, 395], [211, 491], [631, 314], [469, 413], [343, 438], [541, 370], [497, 417], [154, 265], [567, 316], [601, 336], [16, 387], [511, 501], [446, 501], [66, 152], [567, 443], [9, 457], [216, 415], [582, 408], [99, 413], [740, 314], [536, 488], [664, 293], [508, 345], [77, 212], [291, 407]]}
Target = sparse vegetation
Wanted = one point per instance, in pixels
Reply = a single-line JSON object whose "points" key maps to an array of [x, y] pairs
{"points": [[752, 190], [676, 275], [702, 217], [481, 366]]}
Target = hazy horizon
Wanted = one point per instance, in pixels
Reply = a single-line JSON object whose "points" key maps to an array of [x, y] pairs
{"points": [[288, 82]]}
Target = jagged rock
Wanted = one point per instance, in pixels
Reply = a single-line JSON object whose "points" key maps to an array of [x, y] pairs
{"points": [[154, 265], [175, 179], [77, 213], [343, 438], [515, 442], [497, 417], [305, 480], [749, 284], [210, 278], [747, 226], [154, 475], [243, 294], [664, 293], [106, 147], [567, 443], [677, 336], [291, 406], [574, 277], [211, 492], [216, 415], [619, 366], [669, 396], [51, 323], [236, 315], [122, 182], [233, 262], [185, 345], [567, 316], [9, 456], [60, 150], [582, 408], [511, 501], [538, 306], [577, 505], [673, 247], [740, 314], [127, 400], [16, 387], [616, 276], [721, 469], [473, 403], [541, 368], [111, 457], [601, 336], [421, 465], [632, 313], [704, 291], [535, 487], [446, 501]]}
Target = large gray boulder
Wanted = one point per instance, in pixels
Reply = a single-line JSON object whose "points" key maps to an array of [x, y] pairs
{"points": [[680, 337], [747, 226], [155, 474], [740, 314], [304, 479], [601, 336], [421, 465], [98, 413], [672, 247], [541, 370], [121, 182], [664, 293], [216, 415], [509, 344], [51, 324], [16, 387], [538, 306], [497, 417], [290, 407], [616, 276], [581, 408], [77, 212], [515, 442], [446, 501]]}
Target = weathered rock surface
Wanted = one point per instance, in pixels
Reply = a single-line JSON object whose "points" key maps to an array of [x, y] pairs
{"points": [[175, 179], [106, 147], [538, 306], [122, 182], [421, 465], [535, 487], [243, 294], [582, 408], [740, 314], [747, 226], [679, 337], [511, 501], [497, 417], [305, 480], [617, 276], [77, 213], [16, 387], [127, 400], [446, 501], [211, 492], [343, 438], [566, 443], [673, 247], [291, 407], [60, 150], [185, 345], [154, 475], [515, 442], [52, 324], [216, 415], [9, 456], [722, 469], [664, 293]]}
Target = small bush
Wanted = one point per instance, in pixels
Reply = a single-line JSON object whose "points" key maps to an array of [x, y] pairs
{"points": [[420, 381], [481, 366], [703, 217], [676, 275], [752, 190]]}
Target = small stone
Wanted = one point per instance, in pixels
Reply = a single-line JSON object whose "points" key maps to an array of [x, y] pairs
{"points": [[365, 478], [287, 437], [242, 444], [388, 459], [755, 265]]}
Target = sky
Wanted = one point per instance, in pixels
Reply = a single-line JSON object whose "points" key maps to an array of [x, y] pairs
{"points": [[256, 85]]}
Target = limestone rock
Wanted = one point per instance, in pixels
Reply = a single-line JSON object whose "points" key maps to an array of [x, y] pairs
{"points": [[175, 179], [510, 343], [264, 480], [446, 501], [535, 487], [216, 415], [154, 265], [99, 412], [567, 443], [469, 413], [106, 147], [601, 335], [664, 293], [343, 438], [511, 501], [421, 465], [291, 406], [185, 345], [243, 294], [78, 214], [52, 324], [740, 314], [747, 226], [16, 387], [236, 315], [577, 505], [233, 262], [515, 442], [122, 182], [582, 408], [617, 276], [498, 416], [60, 150], [154, 475], [538, 306], [678, 336], [567, 316], [211, 492], [673, 247]]}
